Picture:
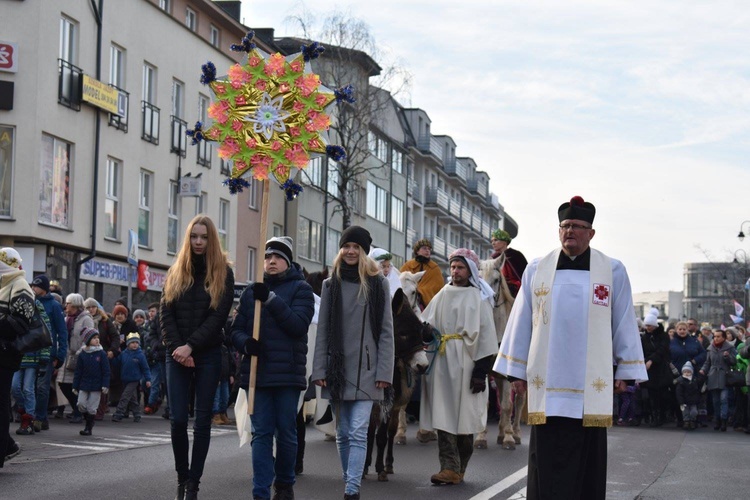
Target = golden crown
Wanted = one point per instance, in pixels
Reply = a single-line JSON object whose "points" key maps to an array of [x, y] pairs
{"points": [[541, 291]]}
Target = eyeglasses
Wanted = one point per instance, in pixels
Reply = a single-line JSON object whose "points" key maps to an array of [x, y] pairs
{"points": [[575, 227]]}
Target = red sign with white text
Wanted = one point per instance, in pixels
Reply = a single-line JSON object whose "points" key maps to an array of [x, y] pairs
{"points": [[8, 57]]}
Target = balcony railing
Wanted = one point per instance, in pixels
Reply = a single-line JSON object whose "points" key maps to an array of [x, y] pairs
{"points": [[438, 245], [179, 139], [455, 208], [456, 168], [450, 249], [117, 121], [475, 187], [476, 223], [69, 85], [437, 197], [411, 236], [486, 229], [417, 194], [428, 144], [150, 130], [466, 216]]}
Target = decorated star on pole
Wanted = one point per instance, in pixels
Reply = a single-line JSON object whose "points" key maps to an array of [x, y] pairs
{"points": [[269, 115]]}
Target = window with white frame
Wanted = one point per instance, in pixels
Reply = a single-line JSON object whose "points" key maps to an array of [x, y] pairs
{"points": [[397, 214], [252, 193], [7, 143], [215, 36], [313, 174], [178, 98], [251, 253], [112, 199], [332, 244], [117, 66], [179, 126], [191, 19], [225, 166], [145, 203], [201, 203], [382, 150], [148, 88], [68, 40], [56, 169], [333, 179], [372, 142], [223, 224], [377, 202], [397, 161], [151, 113], [204, 147], [173, 218], [278, 230], [164, 5], [309, 239]]}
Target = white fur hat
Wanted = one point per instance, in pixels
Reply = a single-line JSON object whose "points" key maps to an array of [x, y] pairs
{"points": [[650, 320]]}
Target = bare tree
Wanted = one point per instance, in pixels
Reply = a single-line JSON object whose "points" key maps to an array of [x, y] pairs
{"points": [[352, 57]]}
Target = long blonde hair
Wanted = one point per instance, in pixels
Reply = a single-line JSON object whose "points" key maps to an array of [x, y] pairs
{"points": [[180, 275], [366, 267]]}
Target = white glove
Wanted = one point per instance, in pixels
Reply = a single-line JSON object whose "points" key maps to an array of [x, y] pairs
{"points": [[75, 391], [682, 407], [105, 390]]}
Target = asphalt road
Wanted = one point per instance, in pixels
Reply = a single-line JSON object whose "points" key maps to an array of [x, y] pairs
{"points": [[134, 461]]}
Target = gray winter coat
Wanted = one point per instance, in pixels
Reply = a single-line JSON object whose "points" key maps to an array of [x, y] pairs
{"points": [[717, 365], [364, 361]]}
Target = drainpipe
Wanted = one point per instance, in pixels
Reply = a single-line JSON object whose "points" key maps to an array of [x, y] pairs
{"points": [[98, 17]]}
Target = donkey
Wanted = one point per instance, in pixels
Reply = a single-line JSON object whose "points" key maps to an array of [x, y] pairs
{"points": [[411, 362], [510, 432], [409, 282]]}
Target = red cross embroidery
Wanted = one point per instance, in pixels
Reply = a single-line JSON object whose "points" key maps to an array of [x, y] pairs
{"points": [[601, 292]]}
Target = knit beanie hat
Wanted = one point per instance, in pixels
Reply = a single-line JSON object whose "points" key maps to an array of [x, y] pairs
{"points": [[499, 234], [91, 302], [687, 366], [281, 246], [133, 337], [88, 334], [10, 260], [576, 208], [650, 320], [119, 310], [358, 235], [74, 299], [139, 312], [424, 242], [42, 282]]}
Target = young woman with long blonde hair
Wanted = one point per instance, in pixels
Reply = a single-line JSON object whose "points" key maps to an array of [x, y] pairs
{"points": [[195, 304], [354, 348]]}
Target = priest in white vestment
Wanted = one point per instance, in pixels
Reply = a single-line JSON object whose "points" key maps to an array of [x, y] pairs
{"points": [[572, 341], [454, 397]]}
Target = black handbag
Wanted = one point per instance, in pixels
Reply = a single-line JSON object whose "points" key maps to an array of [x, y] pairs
{"points": [[735, 378], [37, 337]]}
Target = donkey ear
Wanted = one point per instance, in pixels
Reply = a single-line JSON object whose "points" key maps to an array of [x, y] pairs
{"points": [[418, 276], [324, 274], [398, 301], [305, 273], [498, 263]]}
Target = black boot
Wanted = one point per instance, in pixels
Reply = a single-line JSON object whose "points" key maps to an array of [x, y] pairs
{"points": [[89, 424], [353, 496], [191, 490], [283, 491], [181, 489], [724, 425]]}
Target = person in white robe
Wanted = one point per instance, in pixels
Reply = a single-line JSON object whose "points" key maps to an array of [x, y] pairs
{"points": [[572, 341], [383, 258], [454, 397]]}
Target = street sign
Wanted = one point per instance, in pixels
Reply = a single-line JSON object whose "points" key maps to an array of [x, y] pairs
{"points": [[132, 247]]}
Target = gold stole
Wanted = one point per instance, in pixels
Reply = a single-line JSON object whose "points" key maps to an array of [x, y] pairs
{"points": [[598, 388]]}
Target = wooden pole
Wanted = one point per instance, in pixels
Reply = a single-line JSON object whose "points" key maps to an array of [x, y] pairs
{"points": [[259, 258]]}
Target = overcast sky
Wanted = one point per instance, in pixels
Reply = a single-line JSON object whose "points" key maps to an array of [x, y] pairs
{"points": [[641, 108]]}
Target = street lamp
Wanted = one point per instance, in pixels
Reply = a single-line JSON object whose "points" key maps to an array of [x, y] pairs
{"points": [[741, 236]]}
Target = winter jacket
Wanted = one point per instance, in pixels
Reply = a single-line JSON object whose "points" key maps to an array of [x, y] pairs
{"points": [[58, 330], [689, 391], [133, 366], [684, 349], [190, 319], [16, 312], [109, 335], [38, 359], [744, 351], [656, 349], [153, 338], [75, 342], [365, 361], [284, 320], [742, 365], [717, 365], [92, 370]]}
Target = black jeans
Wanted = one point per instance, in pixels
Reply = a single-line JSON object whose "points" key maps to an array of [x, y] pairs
{"points": [[6, 377], [67, 390], [205, 377]]}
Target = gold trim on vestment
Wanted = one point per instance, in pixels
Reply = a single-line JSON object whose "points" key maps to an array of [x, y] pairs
{"points": [[536, 418], [564, 389], [634, 362], [446, 338], [597, 420], [511, 358]]}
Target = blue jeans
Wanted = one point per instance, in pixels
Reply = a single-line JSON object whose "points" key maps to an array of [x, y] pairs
{"points": [[353, 419], [720, 398], [204, 377], [154, 397], [275, 415], [24, 389], [42, 393], [221, 400]]}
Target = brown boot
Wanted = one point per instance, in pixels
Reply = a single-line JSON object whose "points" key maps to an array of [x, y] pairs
{"points": [[217, 420], [446, 476]]}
